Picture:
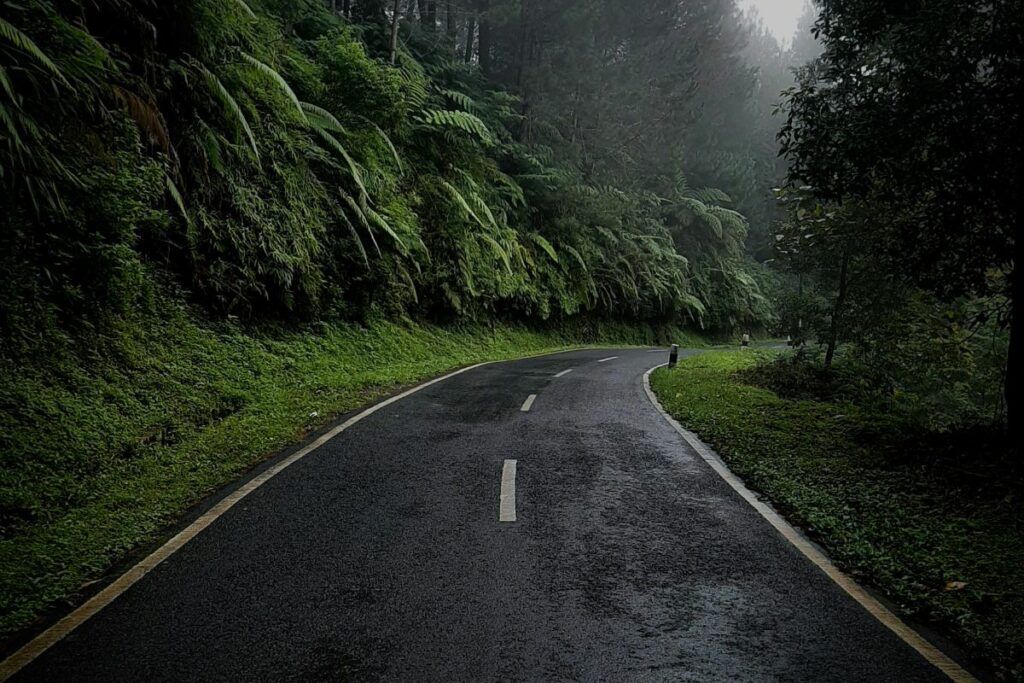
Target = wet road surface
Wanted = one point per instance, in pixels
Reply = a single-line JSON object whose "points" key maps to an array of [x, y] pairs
{"points": [[381, 556]]}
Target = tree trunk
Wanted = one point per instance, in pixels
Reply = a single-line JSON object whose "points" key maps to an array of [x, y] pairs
{"points": [[431, 19], [484, 47], [394, 31], [797, 326], [524, 39], [837, 310], [470, 37], [1015, 358], [452, 26]]}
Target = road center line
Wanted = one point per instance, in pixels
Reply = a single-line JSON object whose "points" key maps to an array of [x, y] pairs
{"points": [[529, 403], [605, 360], [563, 373], [507, 501]]}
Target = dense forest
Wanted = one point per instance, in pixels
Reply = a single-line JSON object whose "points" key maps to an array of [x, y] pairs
{"points": [[294, 160], [448, 161]]}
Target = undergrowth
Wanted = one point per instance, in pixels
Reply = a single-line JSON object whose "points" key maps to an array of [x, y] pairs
{"points": [[952, 556]]}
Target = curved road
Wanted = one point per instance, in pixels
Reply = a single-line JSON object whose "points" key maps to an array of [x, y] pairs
{"points": [[380, 556]]}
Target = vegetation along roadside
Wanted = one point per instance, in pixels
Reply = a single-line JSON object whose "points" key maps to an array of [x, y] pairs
{"points": [[943, 546], [101, 455]]}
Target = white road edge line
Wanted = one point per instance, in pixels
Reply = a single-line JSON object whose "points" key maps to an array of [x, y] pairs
{"points": [[507, 500], [879, 611], [605, 360], [563, 373], [51, 636], [528, 403]]}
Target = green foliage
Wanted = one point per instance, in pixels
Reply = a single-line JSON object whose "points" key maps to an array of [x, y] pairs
{"points": [[307, 176], [906, 528], [459, 120], [884, 127]]}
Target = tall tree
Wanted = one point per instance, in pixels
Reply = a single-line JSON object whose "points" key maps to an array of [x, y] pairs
{"points": [[918, 104]]}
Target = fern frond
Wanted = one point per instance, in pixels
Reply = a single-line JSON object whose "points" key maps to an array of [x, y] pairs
{"points": [[441, 119], [387, 141], [245, 8], [499, 251], [269, 71], [576, 255], [321, 118], [20, 40], [358, 211], [382, 223], [461, 201], [711, 195], [460, 98], [146, 116], [483, 209], [179, 201], [355, 238], [545, 245], [409, 281], [353, 167], [231, 108]]}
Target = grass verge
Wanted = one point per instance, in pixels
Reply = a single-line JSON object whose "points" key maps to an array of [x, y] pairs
{"points": [[955, 561], [103, 448]]}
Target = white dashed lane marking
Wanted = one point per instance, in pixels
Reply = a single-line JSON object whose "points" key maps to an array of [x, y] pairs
{"points": [[507, 501]]}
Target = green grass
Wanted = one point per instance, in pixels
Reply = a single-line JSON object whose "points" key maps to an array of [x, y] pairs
{"points": [[894, 526], [103, 449]]}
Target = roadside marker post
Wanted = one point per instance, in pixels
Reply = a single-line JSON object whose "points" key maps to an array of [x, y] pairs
{"points": [[673, 356]]}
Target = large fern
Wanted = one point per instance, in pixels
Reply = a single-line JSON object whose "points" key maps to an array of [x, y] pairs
{"points": [[232, 111], [277, 78], [437, 119]]}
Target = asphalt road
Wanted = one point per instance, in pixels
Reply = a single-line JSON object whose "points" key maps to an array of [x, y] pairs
{"points": [[381, 556]]}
